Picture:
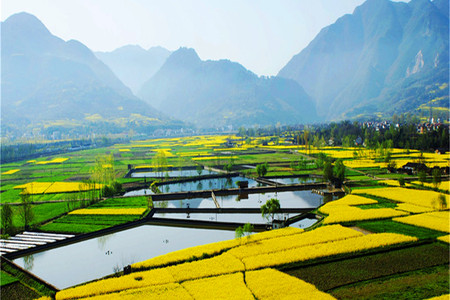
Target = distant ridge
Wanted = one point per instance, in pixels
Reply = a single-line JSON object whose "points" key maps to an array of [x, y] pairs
{"points": [[218, 93], [134, 65]]}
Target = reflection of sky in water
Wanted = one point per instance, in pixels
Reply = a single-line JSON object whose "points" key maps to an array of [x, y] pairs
{"points": [[197, 185], [220, 217], [235, 218], [296, 199], [97, 257], [172, 173], [295, 180], [305, 223]]}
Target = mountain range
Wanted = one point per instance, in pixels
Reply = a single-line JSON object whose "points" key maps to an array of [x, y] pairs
{"points": [[218, 93], [385, 58]]}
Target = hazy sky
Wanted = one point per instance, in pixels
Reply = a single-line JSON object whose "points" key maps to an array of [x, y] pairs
{"points": [[262, 35]]}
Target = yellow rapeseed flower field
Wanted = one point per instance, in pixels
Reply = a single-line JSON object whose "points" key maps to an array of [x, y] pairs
{"points": [[345, 213], [444, 185], [53, 161], [230, 286], [349, 245], [445, 239], [35, 188], [11, 172], [439, 221], [218, 265], [413, 208], [351, 200], [108, 211], [110, 285], [159, 292], [124, 150], [320, 235], [411, 196], [273, 284]]}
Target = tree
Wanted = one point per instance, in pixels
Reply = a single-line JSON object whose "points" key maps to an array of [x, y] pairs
{"points": [[269, 209], [228, 167], [339, 170], [199, 170], [327, 171], [441, 202], [246, 231], [262, 169], [25, 209], [6, 219], [159, 162], [422, 176], [436, 177], [320, 161], [401, 181]]}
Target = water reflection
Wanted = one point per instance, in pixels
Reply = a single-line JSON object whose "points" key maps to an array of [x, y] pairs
{"points": [[84, 261], [28, 262]]}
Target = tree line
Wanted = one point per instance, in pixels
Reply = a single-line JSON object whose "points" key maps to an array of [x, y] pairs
{"points": [[347, 134]]}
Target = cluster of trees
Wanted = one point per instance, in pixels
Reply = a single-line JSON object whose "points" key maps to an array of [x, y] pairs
{"points": [[332, 171], [346, 133]]}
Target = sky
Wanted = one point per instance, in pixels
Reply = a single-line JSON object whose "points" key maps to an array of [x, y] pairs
{"points": [[261, 35]]}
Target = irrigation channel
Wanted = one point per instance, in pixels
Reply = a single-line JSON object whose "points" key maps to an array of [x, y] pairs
{"points": [[185, 217]]}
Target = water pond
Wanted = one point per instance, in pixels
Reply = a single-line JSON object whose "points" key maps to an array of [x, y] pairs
{"points": [[304, 223], [94, 258], [197, 185], [295, 180], [293, 199], [171, 173], [224, 217]]}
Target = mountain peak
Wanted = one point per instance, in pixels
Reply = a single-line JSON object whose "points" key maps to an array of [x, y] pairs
{"points": [[183, 56], [26, 22]]}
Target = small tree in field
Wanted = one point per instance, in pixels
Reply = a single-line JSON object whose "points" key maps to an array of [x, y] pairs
{"points": [[6, 219], [25, 210], [271, 208], [262, 169], [327, 171], [422, 176], [440, 202], [199, 170], [339, 170], [436, 178], [245, 230]]}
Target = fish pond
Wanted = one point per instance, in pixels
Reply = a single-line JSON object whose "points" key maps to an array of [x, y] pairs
{"points": [[97, 257], [197, 185], [291, 199], [171, 173]]}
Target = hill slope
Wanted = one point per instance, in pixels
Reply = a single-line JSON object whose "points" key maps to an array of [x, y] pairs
{"points": [[45, 79], [218, 93], [384, 53]]}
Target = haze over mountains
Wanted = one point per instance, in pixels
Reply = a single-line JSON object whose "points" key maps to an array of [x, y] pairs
{"points": [[133, 65], [387, 57], [47, 79], [222, 93]]}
